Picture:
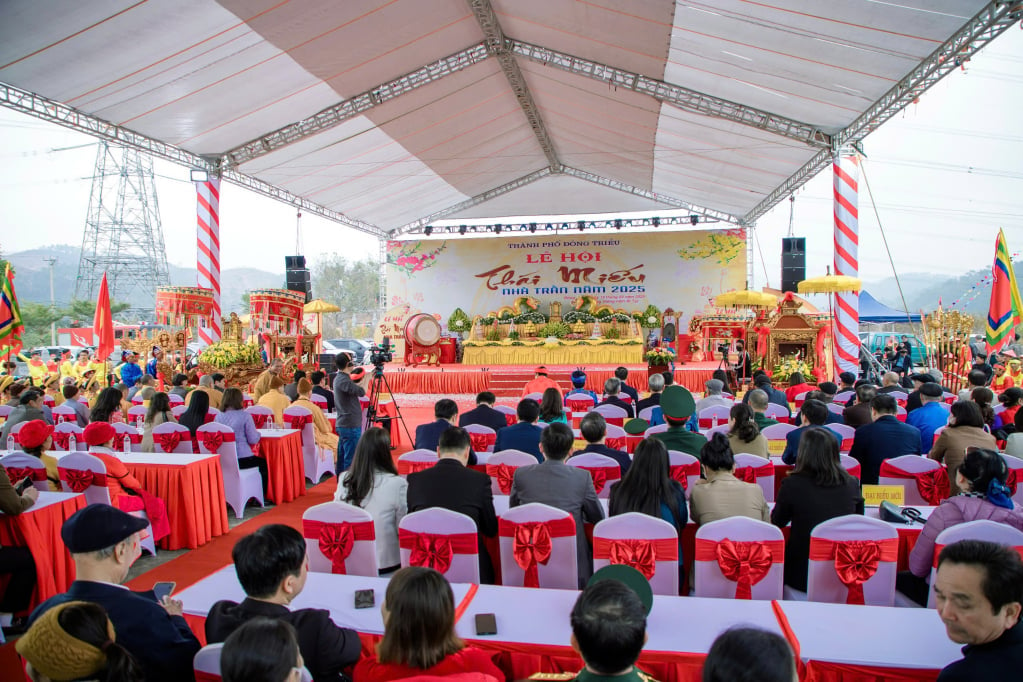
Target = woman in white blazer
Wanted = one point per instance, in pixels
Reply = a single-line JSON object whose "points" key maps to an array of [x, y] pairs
{"points": [[373, 484]]}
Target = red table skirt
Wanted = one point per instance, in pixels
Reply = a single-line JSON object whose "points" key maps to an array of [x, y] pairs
{"points": [[194, 494], [39, 531], [286, 469], [818, 671]]}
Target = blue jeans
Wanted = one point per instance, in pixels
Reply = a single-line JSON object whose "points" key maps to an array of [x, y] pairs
{"points": [[347, 439]]}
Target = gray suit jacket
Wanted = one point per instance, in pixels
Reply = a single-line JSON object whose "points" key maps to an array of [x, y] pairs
{"points": [[567, 488]]}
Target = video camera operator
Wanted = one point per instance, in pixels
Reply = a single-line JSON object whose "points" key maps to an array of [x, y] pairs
{"points": [[349, 410]]}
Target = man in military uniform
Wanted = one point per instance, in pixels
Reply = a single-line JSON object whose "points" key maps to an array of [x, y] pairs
{"points": [[677, 405], [609, 627]]}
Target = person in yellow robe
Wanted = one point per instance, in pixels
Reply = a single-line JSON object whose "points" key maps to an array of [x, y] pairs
{"points": [[37, 370], [52, 388], [82, 365], [325, 436], [275, 399], [67, 366], [1015, 372]]}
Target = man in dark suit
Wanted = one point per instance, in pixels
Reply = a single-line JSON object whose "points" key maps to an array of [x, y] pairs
{"points": [[428, 435], [815, 414], [319, 381], [656, 384], [524, 436], [561, 486], [611, 389], [913, 399], [859, 415], [593, 428], [272, 568], [484, 414], [886, 437], [622, 373], [451, 485], [763, 382], [104, 543]]}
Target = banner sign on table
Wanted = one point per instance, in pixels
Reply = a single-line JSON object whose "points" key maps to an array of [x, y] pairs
{"points": [[874, 495], [682, 270]]}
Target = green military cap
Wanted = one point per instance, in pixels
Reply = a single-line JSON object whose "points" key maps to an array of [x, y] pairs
{"points": [[636, 427], [677, 402], [632, 579]]}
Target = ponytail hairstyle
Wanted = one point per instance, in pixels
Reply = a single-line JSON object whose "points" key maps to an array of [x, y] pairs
{"points": [[745, 428], [987, 472], [89, 623]]}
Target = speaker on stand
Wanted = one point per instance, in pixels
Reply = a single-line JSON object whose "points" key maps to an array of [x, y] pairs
{"points": [[297, 276], [793, 262]]}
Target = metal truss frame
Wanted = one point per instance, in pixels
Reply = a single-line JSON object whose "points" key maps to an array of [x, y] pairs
{"points": [[566, 225], [61, 114]]}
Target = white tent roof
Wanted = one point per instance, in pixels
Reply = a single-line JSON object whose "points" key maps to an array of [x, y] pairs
{"points": [[392, 113]]}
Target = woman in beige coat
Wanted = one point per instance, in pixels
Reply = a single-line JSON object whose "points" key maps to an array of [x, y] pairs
{"points": [[744, 434], [159, 413], [722, 495], [325, 436], [965, 429]]}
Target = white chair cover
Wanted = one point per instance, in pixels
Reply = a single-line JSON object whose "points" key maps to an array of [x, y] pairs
{"points": [[776, 411], [240, 485], [263, 416], [417, 460], [464, 568], [74, 430], [175, 399], [184, 445], [362, 559], [485, 433], [598, 466], [1015, 465], [560, 571], [823, 583], [512, 459], [711, 582], [911, 464], [990, 531], [23, 460], [318, 461], [765, 481], [63, 413], [636, 526]]}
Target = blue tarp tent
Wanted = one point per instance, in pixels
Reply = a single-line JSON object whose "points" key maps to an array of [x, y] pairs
{"points": [[872, 310]]}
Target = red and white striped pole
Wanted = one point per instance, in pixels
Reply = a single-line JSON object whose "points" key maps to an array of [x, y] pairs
{"points": [[207, 261], [847, 241]]}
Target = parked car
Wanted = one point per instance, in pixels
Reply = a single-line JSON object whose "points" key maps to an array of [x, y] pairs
{"points": [[875, 341], [357, 347]]}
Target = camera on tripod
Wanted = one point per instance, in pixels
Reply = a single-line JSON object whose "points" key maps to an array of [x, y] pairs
{"points": [[723, 348], [381, 354]]}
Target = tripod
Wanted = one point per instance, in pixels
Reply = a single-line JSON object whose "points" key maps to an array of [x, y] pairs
{"points": [[378, 385]]}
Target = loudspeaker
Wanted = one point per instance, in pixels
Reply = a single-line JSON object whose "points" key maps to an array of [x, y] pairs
{"points": [[294, 262], [793, 262], [297, 275]]}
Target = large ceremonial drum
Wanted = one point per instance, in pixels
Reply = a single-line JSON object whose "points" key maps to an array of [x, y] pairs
{"points": [[422, 330]]}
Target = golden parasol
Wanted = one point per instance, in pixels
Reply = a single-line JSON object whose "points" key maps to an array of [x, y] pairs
{"points": [[830, 284], [745, 298], [319, 307]]}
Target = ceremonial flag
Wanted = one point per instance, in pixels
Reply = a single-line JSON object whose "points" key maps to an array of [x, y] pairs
{"points": [[1006, 309], [11, 326], [103, 323]]}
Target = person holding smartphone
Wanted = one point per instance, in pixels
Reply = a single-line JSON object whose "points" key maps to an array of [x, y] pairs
{"points": [[17, 562]]}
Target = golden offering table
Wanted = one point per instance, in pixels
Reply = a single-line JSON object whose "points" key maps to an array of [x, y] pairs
{"points": [[577, 352]]}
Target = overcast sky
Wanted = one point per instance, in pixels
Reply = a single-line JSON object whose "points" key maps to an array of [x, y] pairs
{"points": [[946, 174]]}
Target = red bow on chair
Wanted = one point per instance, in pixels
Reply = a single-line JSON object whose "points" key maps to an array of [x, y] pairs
{"points": [[79, 480], [336, 542], [856, 561], [261, 420], [1010, 481], [682, 472], [480, 441], [747, 474], [432, 551], [532, 545], [504, 474], [18, 473], [933, 485], [636, 553], [211, 440], [298, 421], [61, 440], [744, 563], [168, 441]]}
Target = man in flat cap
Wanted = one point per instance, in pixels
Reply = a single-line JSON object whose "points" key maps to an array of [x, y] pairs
{"points": [[104, 543], [678, 405], [930, 416]]}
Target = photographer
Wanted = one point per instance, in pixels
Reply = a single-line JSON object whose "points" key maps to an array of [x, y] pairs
{"points": [[349, 410]]}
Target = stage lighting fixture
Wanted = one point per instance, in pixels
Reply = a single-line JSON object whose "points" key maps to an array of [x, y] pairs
{"points": [[581, 225], [428, 230], [694, 219], [618, 224], [656, 222], [462, 229], [532, 227], [199, 175], [497, 228]]}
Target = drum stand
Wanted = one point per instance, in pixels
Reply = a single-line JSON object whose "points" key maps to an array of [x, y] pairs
{"points": [[378, 385]]}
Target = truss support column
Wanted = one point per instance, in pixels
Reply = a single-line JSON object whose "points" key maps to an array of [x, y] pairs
{"points": [[847, 240], [750, 264], [207, 255], [382, 294]]}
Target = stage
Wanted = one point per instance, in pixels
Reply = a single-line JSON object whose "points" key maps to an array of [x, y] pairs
{"points": [[507, 380]]}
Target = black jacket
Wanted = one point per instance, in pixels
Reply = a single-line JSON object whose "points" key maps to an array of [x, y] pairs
{"points": [[630, 391], [326, 394], [162, 644], [1001, 659], [883, 439], [326, 648], [653, 401], [428, 436], [484, 415], [450, 485]]}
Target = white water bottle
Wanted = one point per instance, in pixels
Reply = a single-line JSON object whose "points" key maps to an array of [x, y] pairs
{"points": [[127, 443], [10, 443], [72, 443], [141, 422]]}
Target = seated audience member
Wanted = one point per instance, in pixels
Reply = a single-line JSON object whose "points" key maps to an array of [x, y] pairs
{"points": [[747, 654], [207, 386], [1002, 381], [484, 414], [965, 429], [609, 631], [272, 568], [525, 435], [246, 435], [37, 440], [890, 384], [262, 650], [194, 415], [450, 484], [815, 413], [144, 380], [978, 592], [30, 407], [622, 374], [929, 417], [743, 433], [655, 382], [611, 389], [712, 396], [884, 438], [678, 406], [827, 399], [564, 487], [17, 562], [373, 483], [917, 380], [1006, 419], [758, 402], [275, 399], [419, 633], [126, 492], [593, 428], [763, 383], [846, 381], [818, 489], [579, 386], [179, 385], [797, 385], [108, 407], [104, 543], [540, 383], [983, 495], [975, 379], [551, 407], [321, 387], [669, 377], [76, 641], [722, 495], [445, 411], [322, 433], [291, 390], [158, 412], [859, 414], [984, 397]]}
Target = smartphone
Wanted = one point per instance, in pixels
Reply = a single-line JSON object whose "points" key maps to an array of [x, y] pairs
{"points": [[23, 485], [161, 590], [364, 599], [486, 624]]}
